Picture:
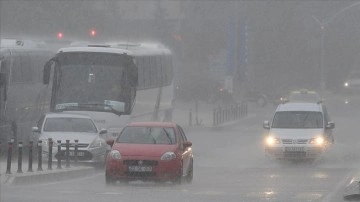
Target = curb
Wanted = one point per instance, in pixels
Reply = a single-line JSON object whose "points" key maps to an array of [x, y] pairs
{"points": [[46, 176], [352, 189]]}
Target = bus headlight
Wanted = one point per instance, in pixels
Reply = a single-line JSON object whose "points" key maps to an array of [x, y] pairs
{"points": [[271, 140], [319, 141]]}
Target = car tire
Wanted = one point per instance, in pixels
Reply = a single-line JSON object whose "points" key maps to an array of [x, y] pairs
{"points": [[179, 178], [190, 175], [109, 180]]}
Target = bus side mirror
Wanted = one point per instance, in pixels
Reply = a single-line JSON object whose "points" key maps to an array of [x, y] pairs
{"points": [[47, 70]]}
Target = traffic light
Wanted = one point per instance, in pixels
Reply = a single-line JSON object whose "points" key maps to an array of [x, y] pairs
{"points": [[93, 32], [60, 35]]}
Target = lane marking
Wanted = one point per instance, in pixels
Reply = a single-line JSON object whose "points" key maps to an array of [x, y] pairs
{"points": [[110, 193]]}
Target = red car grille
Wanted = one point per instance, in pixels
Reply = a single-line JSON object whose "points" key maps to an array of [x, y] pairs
{"points": [[140, 162]]}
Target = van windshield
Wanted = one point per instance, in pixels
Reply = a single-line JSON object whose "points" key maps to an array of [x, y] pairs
{"points": [[298, 119]]}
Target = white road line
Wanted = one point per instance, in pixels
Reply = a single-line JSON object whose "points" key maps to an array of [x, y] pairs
{"points": [[110, 193]]}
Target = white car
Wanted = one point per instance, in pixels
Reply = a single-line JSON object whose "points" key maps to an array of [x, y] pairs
{"points": [[298, 131], [92, 145], [304, 95], [352, 82]]}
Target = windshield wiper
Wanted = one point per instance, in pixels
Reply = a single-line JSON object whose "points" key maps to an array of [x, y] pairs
{"points": [[103, 105], [167, 135]]}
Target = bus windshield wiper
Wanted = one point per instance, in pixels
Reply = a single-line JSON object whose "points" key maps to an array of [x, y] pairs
{"points": [[101, 105]]}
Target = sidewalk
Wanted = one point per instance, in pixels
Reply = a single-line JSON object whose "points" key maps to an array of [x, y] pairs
{"points": [[46, 175]]}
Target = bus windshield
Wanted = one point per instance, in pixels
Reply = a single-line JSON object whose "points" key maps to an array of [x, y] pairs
{"points": [[95, 79]]}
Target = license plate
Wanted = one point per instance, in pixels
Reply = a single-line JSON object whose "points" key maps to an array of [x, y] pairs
{"points": [[79, 153], [294, 149], [140, 168]]}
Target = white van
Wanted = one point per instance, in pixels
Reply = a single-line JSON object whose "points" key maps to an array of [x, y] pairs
{"points": [[298, 131]]}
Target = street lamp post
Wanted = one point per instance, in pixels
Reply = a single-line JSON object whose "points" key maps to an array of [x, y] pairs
{"points": [[323, 25], [322, 73]]}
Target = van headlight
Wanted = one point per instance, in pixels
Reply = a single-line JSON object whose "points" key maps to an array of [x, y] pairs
{"points": [[271, 140], [319, 141]]}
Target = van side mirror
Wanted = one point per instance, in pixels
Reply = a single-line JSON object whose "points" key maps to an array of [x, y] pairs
{"points": [[330, 125], [266, 125]]}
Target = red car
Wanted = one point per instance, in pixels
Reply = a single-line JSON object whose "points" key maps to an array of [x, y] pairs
{"points": [[150, 151]]}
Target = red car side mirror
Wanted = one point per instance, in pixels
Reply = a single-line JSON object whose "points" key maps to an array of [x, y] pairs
{"points": [[110, 142], [187, 144]]}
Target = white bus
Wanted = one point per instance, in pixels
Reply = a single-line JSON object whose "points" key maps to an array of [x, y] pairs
{"points": [[113, 83], [23, 97]]}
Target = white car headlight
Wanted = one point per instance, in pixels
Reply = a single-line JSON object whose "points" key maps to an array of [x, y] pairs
{"points": [[45, 143], [115, 154], [317, 141], [271, 140], [346, 84], [98, 142], [168, 156]]}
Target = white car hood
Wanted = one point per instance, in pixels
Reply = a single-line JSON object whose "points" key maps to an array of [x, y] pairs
{"points": [[294, 133], [85, 138]]}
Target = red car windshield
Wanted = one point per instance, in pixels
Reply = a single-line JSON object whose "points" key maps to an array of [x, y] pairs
{"points": [[147, 135]]}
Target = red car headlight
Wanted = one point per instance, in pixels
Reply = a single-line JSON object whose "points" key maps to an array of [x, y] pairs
{"points": [[115, 154], [168, 156]]}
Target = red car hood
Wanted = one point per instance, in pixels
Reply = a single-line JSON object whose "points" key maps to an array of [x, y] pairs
{"points": [[151, 150]]}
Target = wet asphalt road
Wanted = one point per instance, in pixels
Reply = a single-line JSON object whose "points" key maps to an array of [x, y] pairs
{"points": [[229, 166]]}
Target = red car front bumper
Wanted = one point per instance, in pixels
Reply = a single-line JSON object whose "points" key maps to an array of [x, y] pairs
{"points": [[144, 168]]}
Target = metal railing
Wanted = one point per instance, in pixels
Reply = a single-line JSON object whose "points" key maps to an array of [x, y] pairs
{"points": [[11, 148], [228, 113]]}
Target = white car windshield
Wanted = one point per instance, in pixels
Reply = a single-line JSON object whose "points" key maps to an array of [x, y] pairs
{"points": [[298, 119], [69, 125]]}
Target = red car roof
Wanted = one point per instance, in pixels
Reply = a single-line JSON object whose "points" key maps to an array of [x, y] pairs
{"points": [[153, 124]]}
